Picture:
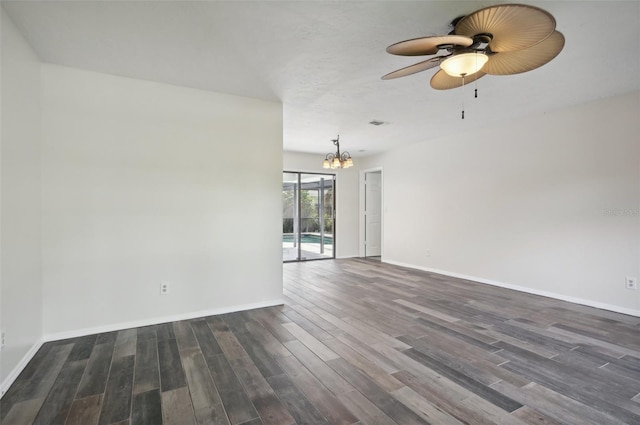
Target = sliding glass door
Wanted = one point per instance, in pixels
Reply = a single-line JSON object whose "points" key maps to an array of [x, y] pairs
{"points": [[308, 216], [290, 220]]}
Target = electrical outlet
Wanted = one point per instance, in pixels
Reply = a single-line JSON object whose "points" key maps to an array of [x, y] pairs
{"points": [[427, 253], [164, 288], [631, 282], [2, 341]]}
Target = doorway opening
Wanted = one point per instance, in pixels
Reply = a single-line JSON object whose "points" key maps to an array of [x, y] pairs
{"points": [[308, 216]]}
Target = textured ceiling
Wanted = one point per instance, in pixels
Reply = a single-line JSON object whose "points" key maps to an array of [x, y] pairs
{"points": [[323, 60]]}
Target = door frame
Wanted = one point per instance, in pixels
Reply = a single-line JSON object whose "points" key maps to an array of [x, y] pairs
{"points": [[335, 197], [361, 244]]}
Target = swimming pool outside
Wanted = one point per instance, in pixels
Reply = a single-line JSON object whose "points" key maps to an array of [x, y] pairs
{"points": [[308, 238], [309, 248]]}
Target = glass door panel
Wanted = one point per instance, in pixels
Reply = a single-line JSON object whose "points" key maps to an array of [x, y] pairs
{"points": [[316, 216], [290, 232]]}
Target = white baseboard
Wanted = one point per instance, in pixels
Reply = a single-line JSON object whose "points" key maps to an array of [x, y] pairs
{"points": [[157, 320], [4, 386], [575, 300]]}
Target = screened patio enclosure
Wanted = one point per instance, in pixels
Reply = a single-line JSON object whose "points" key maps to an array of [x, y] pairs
{"points": [[308, 216]]}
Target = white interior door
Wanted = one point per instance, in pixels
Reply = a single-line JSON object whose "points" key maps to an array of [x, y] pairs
{"points": [[373, 214]]}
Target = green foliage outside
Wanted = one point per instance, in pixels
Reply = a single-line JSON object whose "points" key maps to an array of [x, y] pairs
{"points": [[309, 211]]}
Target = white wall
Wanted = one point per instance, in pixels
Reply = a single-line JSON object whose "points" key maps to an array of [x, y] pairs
{"points": [[21, 258], [146, 182], [346, 198], [548, 203]]}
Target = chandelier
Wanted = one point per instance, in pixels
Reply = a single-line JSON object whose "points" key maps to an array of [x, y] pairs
{"points": [[337, 159]]}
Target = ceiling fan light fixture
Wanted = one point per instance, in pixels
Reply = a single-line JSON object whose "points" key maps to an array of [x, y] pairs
{"points": [[464, 64]]}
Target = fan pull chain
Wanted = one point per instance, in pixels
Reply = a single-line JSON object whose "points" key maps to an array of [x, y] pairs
{"points": [[462, 97], [475, 95]]}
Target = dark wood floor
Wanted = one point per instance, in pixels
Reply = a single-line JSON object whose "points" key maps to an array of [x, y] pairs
{"points": [[358, 342]]}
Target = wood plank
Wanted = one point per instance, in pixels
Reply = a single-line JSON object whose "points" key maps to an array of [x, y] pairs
{"points": [[426, 310], [559, 378], [256, 421], [269, 407], [449, 399], [147, 332], [474, 363], [164, 331], [47, 373], [383, 362], [116, 405], [302, 410], [555, 405], [177, 408], [238, 406], [235, 321], [184, 336], [531, 416], [267, 341], [85, 411], [23, 412], [125, 343], [57, 404], [234, 399], [364, 409], [96, 374], [147, 372], [171, 373], [269, 322], [535, 335], [83, 347], [484, 391], [147, 408], [423, 407], [313, 344], [107, 338], [225, 338], [212, 415], [467, 337], [32, 367], [331, 408], [380, 398], [579, 339], [373, 371], [313, 319], [15, 393], [204, 394], [223, 374], [207, 342], [306, 324], [263, 361], [321, 370]]}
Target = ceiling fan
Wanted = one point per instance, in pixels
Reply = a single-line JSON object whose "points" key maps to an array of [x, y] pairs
{"points": [[503, 39]]}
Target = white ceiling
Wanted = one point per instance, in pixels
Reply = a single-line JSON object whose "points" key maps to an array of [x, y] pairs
{"points": [[323, 60]]}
